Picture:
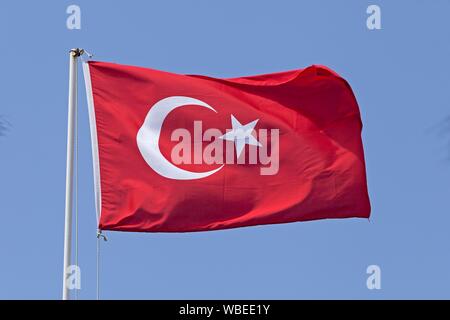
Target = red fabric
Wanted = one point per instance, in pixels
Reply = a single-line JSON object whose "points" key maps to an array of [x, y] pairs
{"points": [[321, 162]]}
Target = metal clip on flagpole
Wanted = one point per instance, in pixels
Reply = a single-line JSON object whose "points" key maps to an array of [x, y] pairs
{"points": [[72, 105], [101, 235]]}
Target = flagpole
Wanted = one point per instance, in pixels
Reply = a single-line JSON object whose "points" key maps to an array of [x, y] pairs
{"points": [[72, 105]]}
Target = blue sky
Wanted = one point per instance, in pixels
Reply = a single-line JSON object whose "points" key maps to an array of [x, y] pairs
{"points": [[400, 75]]}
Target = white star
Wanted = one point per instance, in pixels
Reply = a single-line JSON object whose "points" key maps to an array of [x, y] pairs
{"points": [[241, 135]]}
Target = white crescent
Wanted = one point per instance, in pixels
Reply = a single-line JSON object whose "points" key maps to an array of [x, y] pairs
{"points": [[149, 133]]}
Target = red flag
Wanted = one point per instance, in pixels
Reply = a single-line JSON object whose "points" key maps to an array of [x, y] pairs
{"points": [[176, 153]]}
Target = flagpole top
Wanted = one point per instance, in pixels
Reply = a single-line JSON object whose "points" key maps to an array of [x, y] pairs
{"points": [[76, 52]]}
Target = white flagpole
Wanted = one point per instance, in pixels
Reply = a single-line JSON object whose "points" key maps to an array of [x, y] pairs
{"points": [[74, 54]]}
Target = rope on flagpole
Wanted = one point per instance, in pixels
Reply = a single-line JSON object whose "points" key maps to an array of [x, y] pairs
{"points": [[100, 235]]}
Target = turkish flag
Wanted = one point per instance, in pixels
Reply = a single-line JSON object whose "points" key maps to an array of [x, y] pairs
{"points": [[178, 153]]}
